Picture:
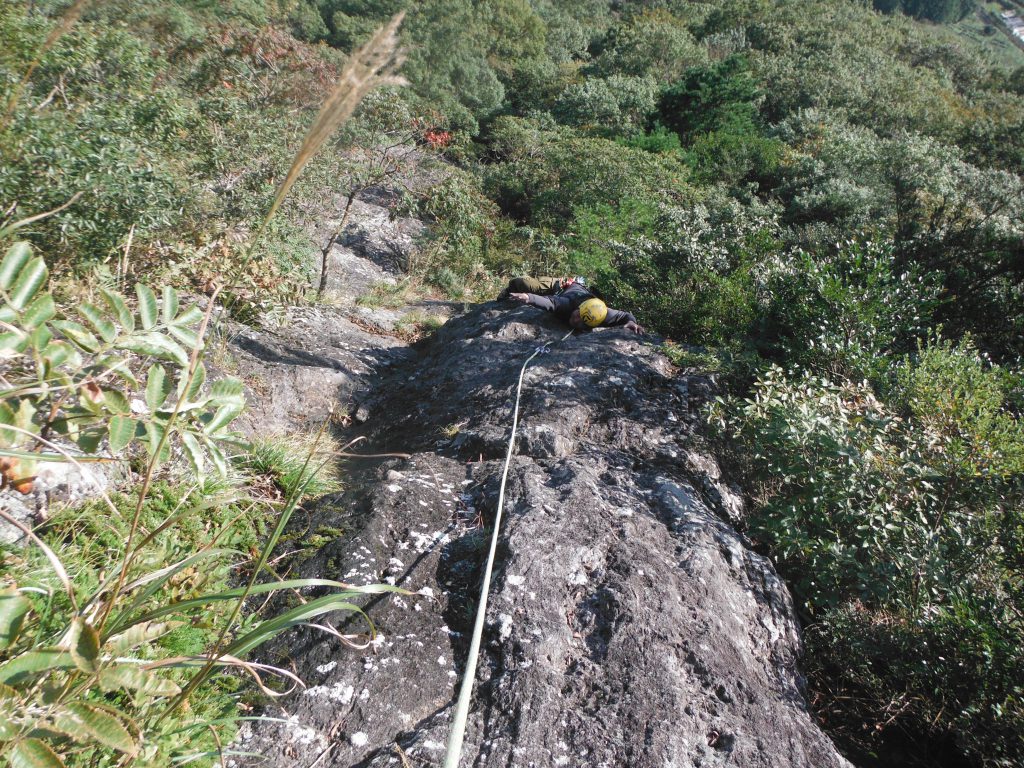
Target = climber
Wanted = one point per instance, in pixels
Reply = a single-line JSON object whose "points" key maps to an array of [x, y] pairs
{"points": [[578, 306], [541, 286]]}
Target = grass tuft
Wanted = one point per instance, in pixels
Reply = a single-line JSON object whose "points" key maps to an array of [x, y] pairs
{"points": [[277, 466]]}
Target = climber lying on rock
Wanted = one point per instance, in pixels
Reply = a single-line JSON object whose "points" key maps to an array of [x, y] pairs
{"points": [[541, 286], [579, 308]]}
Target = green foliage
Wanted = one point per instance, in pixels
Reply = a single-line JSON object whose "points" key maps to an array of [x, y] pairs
{"points": [[88, 671], [848, 313], [658, 140], [652, 43], [85, 141], [292, 465], [541, 176], [730, 157], [692, 271], [73, 378], [903, 520], [716, 97], [618, 105]]}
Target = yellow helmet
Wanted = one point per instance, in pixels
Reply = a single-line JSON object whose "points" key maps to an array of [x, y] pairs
{"points": [[593, 312]]}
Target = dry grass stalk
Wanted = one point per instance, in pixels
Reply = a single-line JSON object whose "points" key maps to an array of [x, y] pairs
{"points": [[373, 65]]}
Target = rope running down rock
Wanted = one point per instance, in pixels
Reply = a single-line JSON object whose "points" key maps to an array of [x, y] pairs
{"points": [[458, 732]]}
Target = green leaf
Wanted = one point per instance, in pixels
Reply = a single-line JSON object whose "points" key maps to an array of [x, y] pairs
{"points": [[147, 306], [228, 390], [137, 635], [224, 416], [154, 434], [104, 725], [190, 316], [116, 402], [8, 314], [13, 608], [13, 343], [170, 304], [57, 353], [33, 753], [186, 336], [34, 663], [26, 412], [9, 727], [156, 345], [119, 307], [193, 452], [181, 607], [158, 386], [29, 282], [39, 338], [38, 312], [7, 417], [118, 365], [136, 679], [198, 379], [154, 583], [95, 317], [121, 433], [78, 335], [216, 456], [89, 439], [84, 644], [298, 615], [14, 261]]}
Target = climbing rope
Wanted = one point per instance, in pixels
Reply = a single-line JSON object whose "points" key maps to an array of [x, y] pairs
{"points": [[454, 753]]}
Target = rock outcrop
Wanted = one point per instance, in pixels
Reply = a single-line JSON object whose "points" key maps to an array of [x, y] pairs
{"points": [[629, 623]]}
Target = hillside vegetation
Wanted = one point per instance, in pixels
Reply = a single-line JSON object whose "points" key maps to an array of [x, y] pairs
{"points": [[822, 202]]}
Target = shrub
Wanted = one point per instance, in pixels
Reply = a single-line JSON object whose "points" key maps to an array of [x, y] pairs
{"points": [[899, 526], [846, 313], [720, 96], [687, 272], [617, 105], [84, 635]]}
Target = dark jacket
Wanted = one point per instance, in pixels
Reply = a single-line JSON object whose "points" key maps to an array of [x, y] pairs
{"points": [[568, 300]]}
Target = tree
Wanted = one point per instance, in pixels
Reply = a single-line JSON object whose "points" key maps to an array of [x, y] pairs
{"points": [[721, 96]]}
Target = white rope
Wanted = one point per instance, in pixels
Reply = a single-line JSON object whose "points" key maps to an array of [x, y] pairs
{"points": [[451, 759]]}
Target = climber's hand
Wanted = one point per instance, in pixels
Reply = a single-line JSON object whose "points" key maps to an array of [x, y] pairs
{"points": [[522, 298], [635, 328]]}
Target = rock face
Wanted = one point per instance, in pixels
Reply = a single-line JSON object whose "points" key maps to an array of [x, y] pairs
{"points": [[373, 248], [317, 361], [629, 624]]}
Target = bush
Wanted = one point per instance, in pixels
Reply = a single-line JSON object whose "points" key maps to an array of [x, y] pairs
{"points": [[106, 147], [899, 526], [616, 105], [721, 96], [690, 273], [845, 314], [89, 636]]}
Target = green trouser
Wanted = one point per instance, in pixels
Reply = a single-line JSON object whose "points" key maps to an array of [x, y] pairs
{"points": [[542, 286]]}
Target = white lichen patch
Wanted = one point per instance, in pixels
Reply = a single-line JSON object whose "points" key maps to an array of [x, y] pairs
{"points": [[504, 626], [325, 668], [359, 739], [302, 734], [339, 692], [515, 581]]}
